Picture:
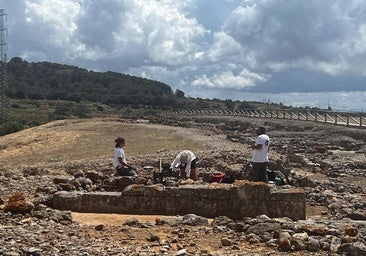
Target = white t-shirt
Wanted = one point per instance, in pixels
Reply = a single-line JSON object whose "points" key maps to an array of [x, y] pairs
{"points": [[118, 152], [261, 155], [177, 162]]}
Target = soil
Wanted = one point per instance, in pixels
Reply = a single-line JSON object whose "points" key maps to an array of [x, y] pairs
{"points": [[58, 144]]}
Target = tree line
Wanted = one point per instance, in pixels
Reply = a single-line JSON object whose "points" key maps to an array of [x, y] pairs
{"points": [[52, 81], [59, 82]]}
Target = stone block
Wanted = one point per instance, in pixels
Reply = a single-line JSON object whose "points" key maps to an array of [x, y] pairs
{"points": [[172, 205], [145, 205], [205, 208], [157, 190], [253, 208], [182, 206], [64, 200], [196, 192], [253, 191], [294, 210], [287, 203], [219, 191], [296, 194], [229, 207], [101, 202], [242, 199], [134, 190]]}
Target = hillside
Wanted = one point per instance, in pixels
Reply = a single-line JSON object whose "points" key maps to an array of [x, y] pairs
{"points": [[55, 82], [87, 140], [42, 92], [52, 81]]}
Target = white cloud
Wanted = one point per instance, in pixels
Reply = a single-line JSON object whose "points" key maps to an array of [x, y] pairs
{"points": [[142, 32], [154, 72], [54, 24], [291, 34], [223, 48], [124, 32], [228, 45], [228, 79]]}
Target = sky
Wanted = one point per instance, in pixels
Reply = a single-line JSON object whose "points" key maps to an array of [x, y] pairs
{"points": [[207, 48]]}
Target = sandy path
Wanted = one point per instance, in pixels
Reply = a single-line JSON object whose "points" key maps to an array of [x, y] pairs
{"points": [[111, 219]]}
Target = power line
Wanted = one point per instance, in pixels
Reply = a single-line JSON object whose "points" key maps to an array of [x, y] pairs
{"points": [[4, 106]]}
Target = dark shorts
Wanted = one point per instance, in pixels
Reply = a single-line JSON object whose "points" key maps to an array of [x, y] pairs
{"points": [[259, 172], [125, 171]]}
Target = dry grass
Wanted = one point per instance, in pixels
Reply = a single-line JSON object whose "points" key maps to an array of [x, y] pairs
{"points": [[88, 139]]}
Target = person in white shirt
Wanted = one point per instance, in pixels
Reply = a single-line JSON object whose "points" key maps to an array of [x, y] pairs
{"points": [[119, 160], [260, 158], [186, 161]]}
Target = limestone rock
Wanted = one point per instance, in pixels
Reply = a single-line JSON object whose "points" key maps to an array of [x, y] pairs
{"points": [[299, 241], [284, 241], [313, 245], [194, 220], [353, 249], [226, 241]]}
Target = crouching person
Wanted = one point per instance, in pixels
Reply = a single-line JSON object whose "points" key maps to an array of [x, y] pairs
{"points": [[119, 160], [186, 162]]}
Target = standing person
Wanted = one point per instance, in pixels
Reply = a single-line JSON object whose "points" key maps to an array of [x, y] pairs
{"points": [[186, 161], [119, 159], [260, 155]]}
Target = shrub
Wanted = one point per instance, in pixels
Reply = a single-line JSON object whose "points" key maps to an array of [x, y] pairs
{"points": [[10, 127]]}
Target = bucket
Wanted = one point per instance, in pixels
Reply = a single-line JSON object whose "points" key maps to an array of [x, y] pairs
{"points": [[217, 177]]}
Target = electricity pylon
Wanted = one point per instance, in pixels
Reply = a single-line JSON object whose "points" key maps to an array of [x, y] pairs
{"points": [[4, 106]]}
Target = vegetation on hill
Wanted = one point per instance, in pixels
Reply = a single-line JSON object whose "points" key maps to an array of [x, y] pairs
{"points": [[51, 81], [57, 82], [42, 92]]}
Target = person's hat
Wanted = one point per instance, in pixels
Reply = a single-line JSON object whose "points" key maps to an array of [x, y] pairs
{"points": [[184, 158], [119, 140]]}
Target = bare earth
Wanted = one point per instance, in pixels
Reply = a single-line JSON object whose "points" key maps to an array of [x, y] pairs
{"points": [[59, 144]]}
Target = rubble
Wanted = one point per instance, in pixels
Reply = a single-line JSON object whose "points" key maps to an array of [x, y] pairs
{"points": [[329, 164]]}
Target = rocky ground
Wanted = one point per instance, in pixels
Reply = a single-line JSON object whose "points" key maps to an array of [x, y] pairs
{"points": [[329, 162]]}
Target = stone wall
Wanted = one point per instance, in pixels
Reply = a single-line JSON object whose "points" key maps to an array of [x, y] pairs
{"points": [[244, 199]]}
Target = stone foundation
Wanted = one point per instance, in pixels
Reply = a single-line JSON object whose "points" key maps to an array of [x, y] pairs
{"points": [[243, 199]]}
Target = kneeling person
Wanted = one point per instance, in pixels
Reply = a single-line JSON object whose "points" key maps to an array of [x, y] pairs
{"points": [[119, 160]]}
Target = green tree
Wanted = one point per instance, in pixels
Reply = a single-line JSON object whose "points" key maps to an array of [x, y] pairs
{"points": [[229, 104], [179, 94]]}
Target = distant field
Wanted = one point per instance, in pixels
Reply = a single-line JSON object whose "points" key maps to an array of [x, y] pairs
{"points": [[85, 139]]}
